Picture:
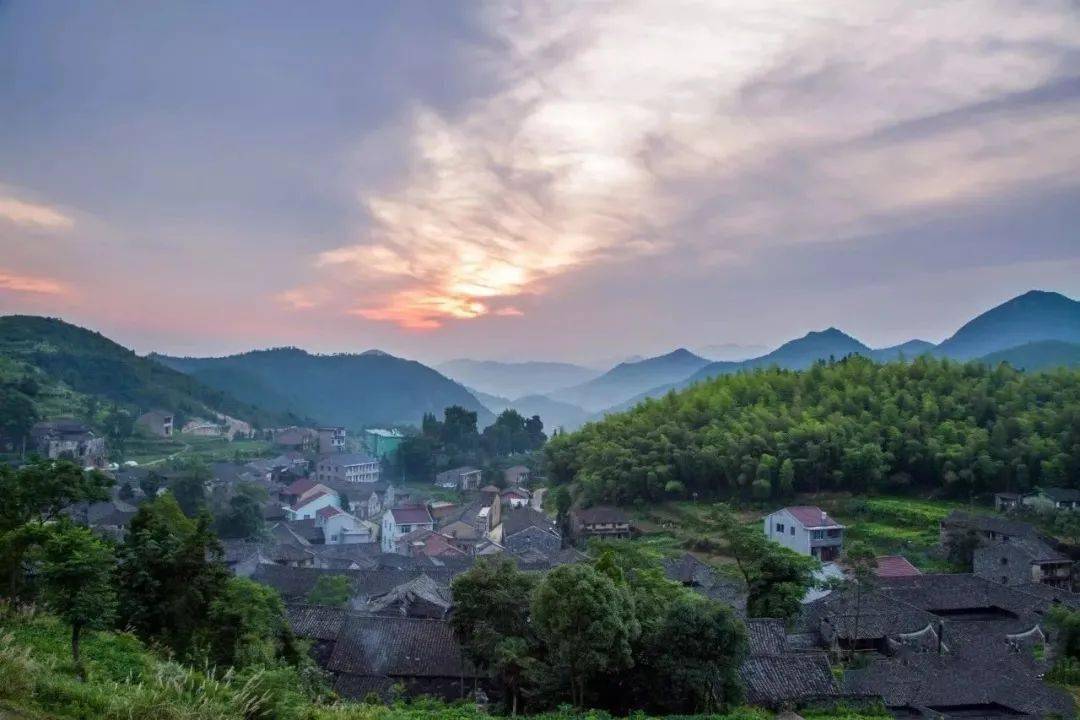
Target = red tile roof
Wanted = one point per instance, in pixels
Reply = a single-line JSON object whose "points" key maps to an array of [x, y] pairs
{"points": [[330, 511], [301, 502], [892, 566], [299, 487], [812, 516], [411, 515]]}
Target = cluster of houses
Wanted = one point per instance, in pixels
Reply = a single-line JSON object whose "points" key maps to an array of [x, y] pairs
{"points": [[929, 645]]}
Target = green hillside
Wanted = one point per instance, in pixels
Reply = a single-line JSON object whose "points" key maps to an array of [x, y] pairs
{"points": [[62, 369], [1037, 355], [371, 388], [929, 425]]}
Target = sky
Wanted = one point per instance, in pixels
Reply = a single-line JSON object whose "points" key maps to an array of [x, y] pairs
{"points": [[534, 180]]}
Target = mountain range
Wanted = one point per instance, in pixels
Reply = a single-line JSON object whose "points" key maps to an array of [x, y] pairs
{"points": [[1035, 331], [353, 390]]}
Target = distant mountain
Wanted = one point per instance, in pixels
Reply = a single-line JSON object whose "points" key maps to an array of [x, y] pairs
{"points": [[629, 379], [910, 349], [796, 354], [515, 379], [603, 364], [73, 366], [1031, 317], [1042, 355], [350, 390], [495, 403], [554, 413], [731, 351]]}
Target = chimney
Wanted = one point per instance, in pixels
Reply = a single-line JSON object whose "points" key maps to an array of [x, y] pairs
{"points": [[823, 517]]}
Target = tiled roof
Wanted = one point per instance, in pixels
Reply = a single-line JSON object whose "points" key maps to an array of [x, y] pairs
{"points": [[316, 622], [411, 515], [308, 499], [330, 511], [299, 487], [517, 519], [397, 647], [1058, 494], [601, 514], [773, 681], [766, 636], [895, 566], [989, 523], [812, 516], [706, 580]]}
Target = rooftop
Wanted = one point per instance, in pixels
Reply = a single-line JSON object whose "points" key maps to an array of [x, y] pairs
{"points": [[411, 515], [889, 566], [811, 516]]}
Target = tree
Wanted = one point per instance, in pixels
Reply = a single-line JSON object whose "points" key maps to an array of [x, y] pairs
{"points": [[75, 570], [243, 518], [960, 545], [491, 621], [334, 590], [587, 624], [776, 578], [246, 624], [190, 494], [17, 415], [693, 658], [118, 425], [862, 564], [40, 490], [787, 478], [169, 573]]}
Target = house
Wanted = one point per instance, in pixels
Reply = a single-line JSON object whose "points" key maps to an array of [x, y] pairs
{"points": [[894, 566], [402, 521], [705, 580], [515, 497], [373, 654], [306, 497], [806, 529], [156, 422], [430, 543], [380, 442], [295, 438], [421, 597], [779, 677], [1022, 561], [68, 440], [987, 527], [331, 440], [601, 521], [525, 530], [516, 475], [1006, 501], [371, 499], [1053, 498], [347, 468], [342, 528], [462, 478]]}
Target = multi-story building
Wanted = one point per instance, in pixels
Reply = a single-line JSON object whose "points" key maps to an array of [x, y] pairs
{"points": [[808, 530], [331, 440], [380, 442], [347, 468], [402, 521]]}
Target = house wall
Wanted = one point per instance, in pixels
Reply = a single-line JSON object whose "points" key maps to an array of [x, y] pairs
{"points": [[782, 527], [1002, 563], [306, 512]]}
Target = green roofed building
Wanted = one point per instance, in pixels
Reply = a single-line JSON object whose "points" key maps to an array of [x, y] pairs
{"points": [[380, 442]]}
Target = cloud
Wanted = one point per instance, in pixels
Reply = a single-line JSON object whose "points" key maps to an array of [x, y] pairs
{"points": [[30, 284], [29, 214], [629, 129]]}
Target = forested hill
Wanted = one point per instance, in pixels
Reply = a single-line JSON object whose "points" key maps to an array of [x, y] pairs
{"points": [[930, 424], [352, 390], [59, 367]]}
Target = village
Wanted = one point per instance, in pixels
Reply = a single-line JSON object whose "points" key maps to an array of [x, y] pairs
{"points": [[959, 644]]}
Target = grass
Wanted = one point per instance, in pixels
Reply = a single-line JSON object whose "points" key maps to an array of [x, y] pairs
{"points": [[151, 450]]}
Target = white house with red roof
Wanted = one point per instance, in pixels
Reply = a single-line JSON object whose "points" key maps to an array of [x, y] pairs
{"points": [[806, 529], [304, 498], [402, 521], [342, 528]]}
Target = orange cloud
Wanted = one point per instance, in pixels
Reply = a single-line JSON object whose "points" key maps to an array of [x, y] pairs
{"points": [[31, 285], [33, 215]]}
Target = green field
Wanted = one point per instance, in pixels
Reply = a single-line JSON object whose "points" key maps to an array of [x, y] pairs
{"points": [[147, 450]]}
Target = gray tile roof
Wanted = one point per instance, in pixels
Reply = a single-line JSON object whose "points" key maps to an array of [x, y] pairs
{"points": [[766, 636], [774, 681], [401, 647]]}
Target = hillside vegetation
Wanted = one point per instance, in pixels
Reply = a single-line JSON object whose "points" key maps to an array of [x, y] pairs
{"points": [[352, 390], [932, 425], [62, 368]]}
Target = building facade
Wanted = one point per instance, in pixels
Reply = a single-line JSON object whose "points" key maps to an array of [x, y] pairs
{"points": [[347, 468], [806, 529]]}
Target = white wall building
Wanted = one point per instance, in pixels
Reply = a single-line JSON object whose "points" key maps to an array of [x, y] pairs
{"points": [[400, 521], [806, 529]]}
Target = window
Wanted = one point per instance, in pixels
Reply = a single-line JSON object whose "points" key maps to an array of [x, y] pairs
{"points": [[1004, 561], [779, 527], [1004, 580], [793, 530]]}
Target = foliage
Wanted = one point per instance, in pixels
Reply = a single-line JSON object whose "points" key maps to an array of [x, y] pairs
{"points": [[75, 569], [168, 575], [243, 518], [40, 490], [961, 429], [331, 590], [512, 433], [587, 624], [246, 625], [776, 577]]}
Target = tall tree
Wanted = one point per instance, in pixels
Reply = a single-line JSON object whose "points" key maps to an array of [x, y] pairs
{"points": [[333, 590], [587, 623], [75, 570], [169, 572]]}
